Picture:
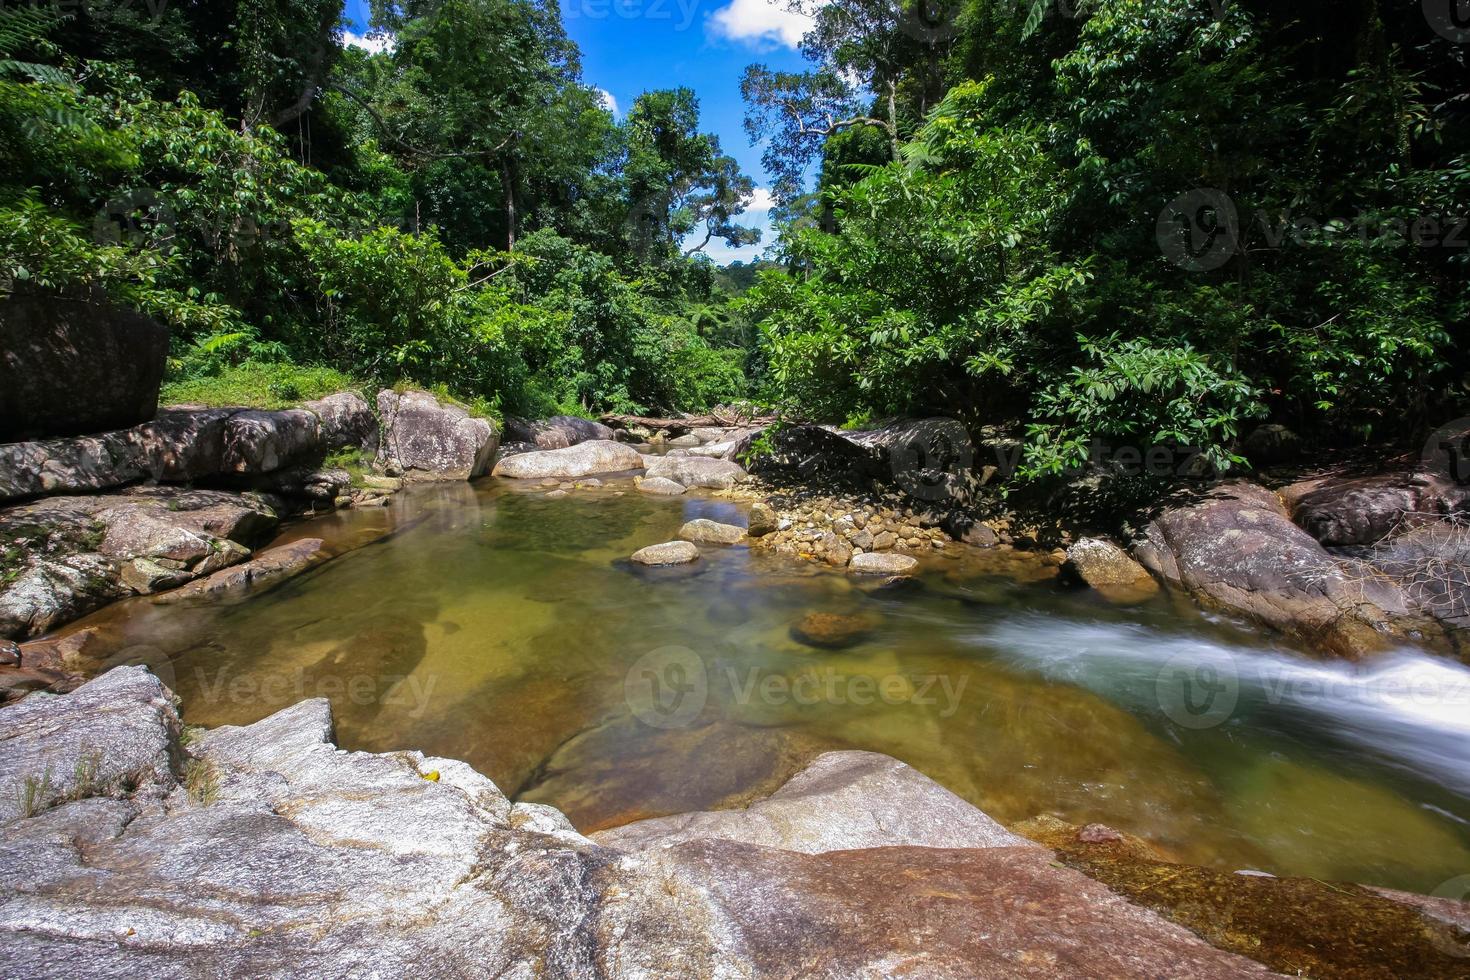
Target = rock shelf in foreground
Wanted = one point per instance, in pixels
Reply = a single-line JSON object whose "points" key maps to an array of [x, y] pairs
{"points": [[266, 850]]}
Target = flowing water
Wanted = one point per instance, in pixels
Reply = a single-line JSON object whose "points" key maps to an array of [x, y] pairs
{"points": [[493, 625]]}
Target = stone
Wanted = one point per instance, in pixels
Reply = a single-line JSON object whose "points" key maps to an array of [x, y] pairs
{"points": [[112, 735], [146, 576], [659, 487], [697, 471], [345, 421], [832, 549], [842, 801], [395, 874], [883, 564], [1108, 568], [53, 591], [268, 568], [884, 540], [704, 531], [686, 442], [832, 631], [763, 520], [75, 366], [574, 462], [558, 494], [669, 553], [1234, 548], [1364, 511], [556, 432], [9, 654], [423, 439]]}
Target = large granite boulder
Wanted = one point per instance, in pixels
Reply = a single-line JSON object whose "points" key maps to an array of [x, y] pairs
{"points": [[402, 865], [1364, 511], [557, 432], [1235, 548], [185, 445], [70, 367], [425, 440], [572, 463], [696, 471]]}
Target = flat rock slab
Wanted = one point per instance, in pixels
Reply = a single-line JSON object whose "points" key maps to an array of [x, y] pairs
{"points": [[657, 486], [841, 802], [266, 568], [281, 855], [886, 563], [574, 462], [703, 531], [669, 553], [696, 471]]}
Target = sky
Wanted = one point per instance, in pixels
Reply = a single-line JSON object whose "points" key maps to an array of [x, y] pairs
{"points": [[632, 46]]}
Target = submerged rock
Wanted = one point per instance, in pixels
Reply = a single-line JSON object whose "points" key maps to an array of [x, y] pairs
{"points": [[657, 486], [705, 531], [426, 440], [1107, 568], [832, 631], [574, 462], [267, 567], [669, 553]]}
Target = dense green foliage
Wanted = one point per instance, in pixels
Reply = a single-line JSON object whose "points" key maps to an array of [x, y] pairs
{"points": [[1009, 262], [445, 213]]}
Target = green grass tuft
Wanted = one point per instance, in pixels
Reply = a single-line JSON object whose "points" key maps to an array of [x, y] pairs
{"points": [[258, 385]]}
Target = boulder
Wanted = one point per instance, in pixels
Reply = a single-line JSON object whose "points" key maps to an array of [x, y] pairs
{"points": [[572, 463], [832, 631], [1106, 567], [659, 487], [808, 453], [1234, 548], [1268, 445], [71, 367], [346, 421], [557, 432], [842, 801], [669, 553], [50, 592], [704, 531], [763, 520], [268, 568], [886, 563], [696, 471], [1364, 511], [423, 439], [114, 735], [686, 442], [402, 865]]}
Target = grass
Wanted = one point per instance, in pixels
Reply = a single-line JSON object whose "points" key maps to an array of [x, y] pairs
{"points": [[201, 781], [255, 384], [34, 795], [478, 406]]}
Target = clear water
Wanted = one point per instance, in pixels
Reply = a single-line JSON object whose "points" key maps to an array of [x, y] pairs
{"points": [[493, 625]]}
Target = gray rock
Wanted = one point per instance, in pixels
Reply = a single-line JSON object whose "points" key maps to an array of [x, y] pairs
{"points": [[574, 462], [704, 531], [70, 367], [425, 440], [51, 592], [146, 576], [883, 564], [1236, 549], [659, 487], [346, 421], [686, 442], [842, 801], [669, 553], [557, 432], [113, 735], [268, 568], [696, 471], [1103, 565]]}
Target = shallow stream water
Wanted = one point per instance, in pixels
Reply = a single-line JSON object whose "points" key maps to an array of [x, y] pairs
{"points": [[490, 624]]}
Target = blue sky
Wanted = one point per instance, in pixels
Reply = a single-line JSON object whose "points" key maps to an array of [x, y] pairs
{"points": [[632, 46]]}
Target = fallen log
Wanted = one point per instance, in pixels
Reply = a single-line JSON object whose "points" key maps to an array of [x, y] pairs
{"points": [[678, 426]]}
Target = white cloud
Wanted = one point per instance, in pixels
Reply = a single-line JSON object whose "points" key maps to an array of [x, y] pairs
{"points": [[760, 21], [760, 202], [372, 45], [608, 101]]}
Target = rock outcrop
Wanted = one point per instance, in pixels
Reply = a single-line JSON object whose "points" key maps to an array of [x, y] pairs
{"points": [[66, 556], [225, 858], [70, 367], [697, 471], [574, 462], [184, 445], [1235, 548], [423, 439], [266, 568], [1364, 511], [556, 432]]}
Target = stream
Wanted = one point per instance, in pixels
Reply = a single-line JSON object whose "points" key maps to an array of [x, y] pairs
{"points": [[487, 623]]}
